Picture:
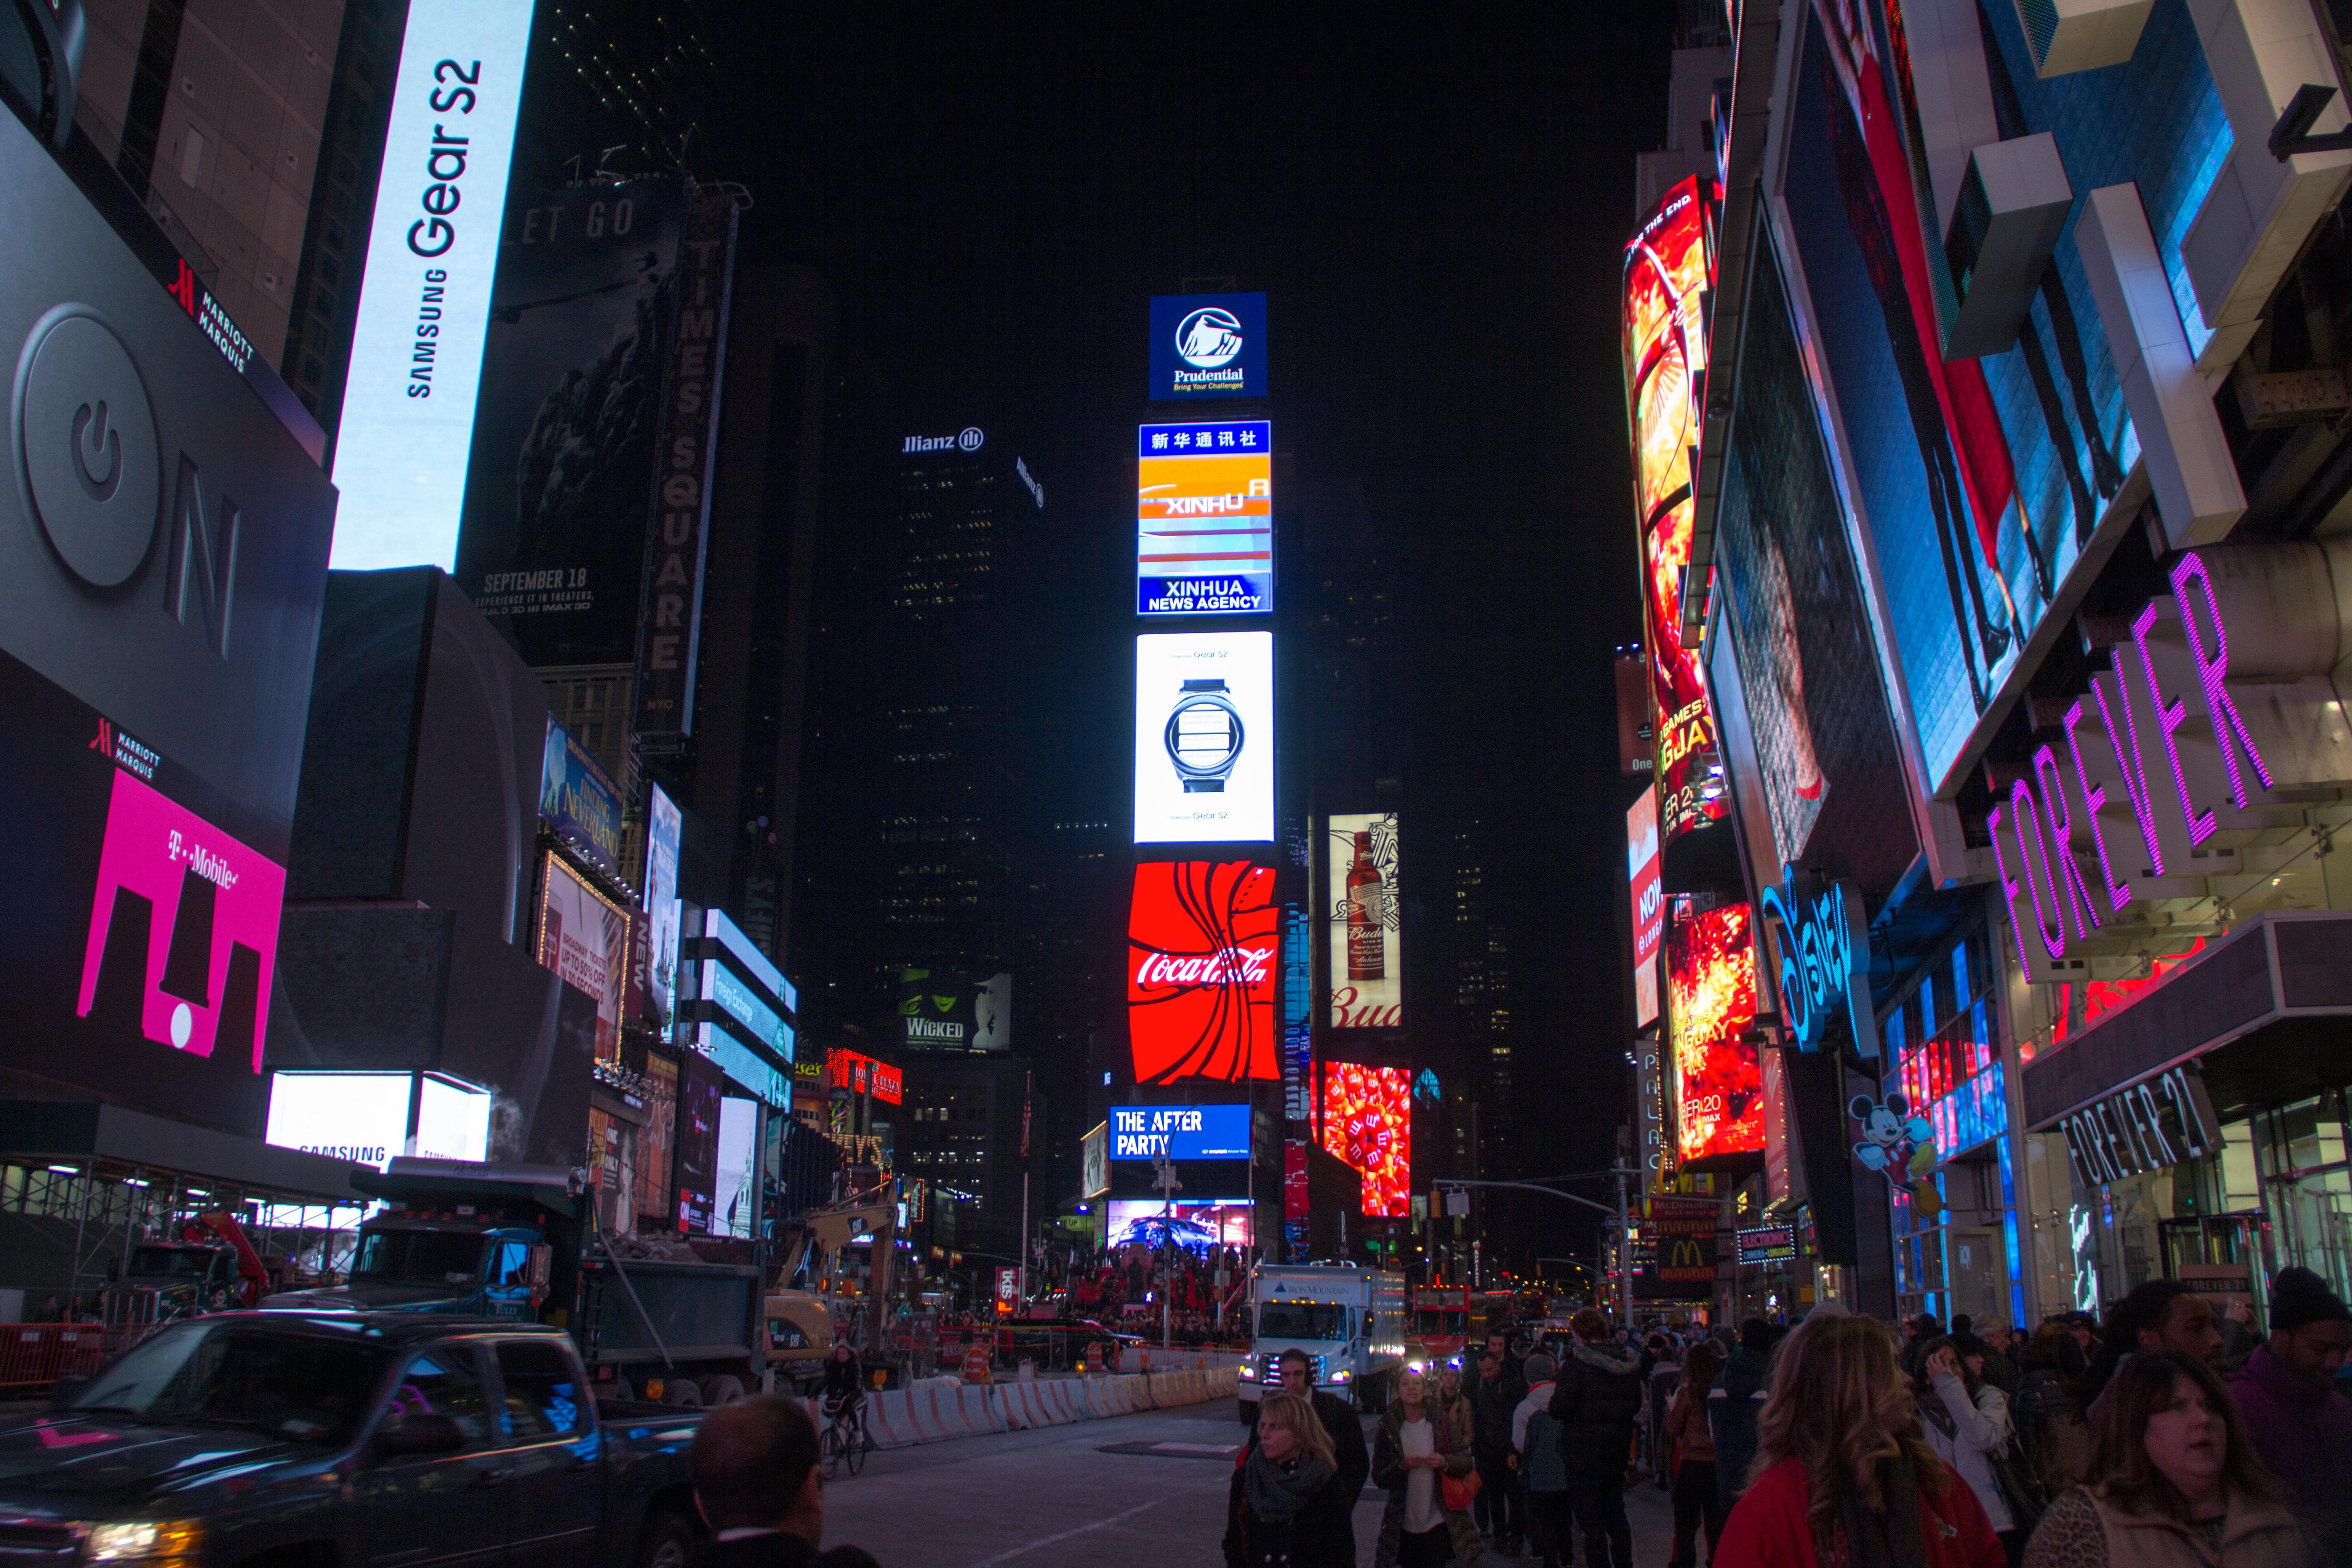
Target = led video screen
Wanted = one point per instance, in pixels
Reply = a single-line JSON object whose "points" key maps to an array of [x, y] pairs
{"points": [[1202, 940], [1364, 910], [1180, 1132], [1667, 273], [1642, 869], [1204, 518], [1197, 1225], [1719, 1080], [1204, 737], [584, 937], [1367, 1120]]}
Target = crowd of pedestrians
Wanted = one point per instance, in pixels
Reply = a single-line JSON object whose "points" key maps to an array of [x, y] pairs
{"points": [[2169, 1435]]}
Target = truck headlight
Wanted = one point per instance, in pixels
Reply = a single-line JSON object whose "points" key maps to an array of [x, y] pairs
{"points": [[1249, 1372], [1339, 1377], [142, 1541]]}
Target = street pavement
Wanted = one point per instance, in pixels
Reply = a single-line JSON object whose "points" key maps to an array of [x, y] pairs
{"points": [[1140, 1491]]}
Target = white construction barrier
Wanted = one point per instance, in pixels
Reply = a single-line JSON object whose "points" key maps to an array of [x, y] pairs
{"points": [[940, 1410]]}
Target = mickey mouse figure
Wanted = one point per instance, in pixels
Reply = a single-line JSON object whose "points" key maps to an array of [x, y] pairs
{"points": [[1900, 1146]]}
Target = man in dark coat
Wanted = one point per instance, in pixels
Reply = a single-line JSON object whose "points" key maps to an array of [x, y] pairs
{"points": [[1733, 1405], [757, 1485], [1502, 1506], [1338, 1418], [1596, 1398]]}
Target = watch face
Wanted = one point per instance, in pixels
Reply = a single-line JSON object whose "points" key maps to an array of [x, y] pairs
{"points": [[1204, 741]]}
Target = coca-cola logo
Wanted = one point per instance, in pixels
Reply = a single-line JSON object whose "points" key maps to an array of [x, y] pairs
{"points": [[1203, 942], [1249, 966]]}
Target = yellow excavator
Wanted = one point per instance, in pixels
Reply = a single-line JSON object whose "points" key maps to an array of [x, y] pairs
{"points": [[799, 1322]]}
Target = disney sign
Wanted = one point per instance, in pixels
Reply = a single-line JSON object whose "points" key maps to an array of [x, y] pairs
{"points": [[1815, 938]]}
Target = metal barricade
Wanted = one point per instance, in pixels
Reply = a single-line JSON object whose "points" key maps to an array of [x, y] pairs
{"points": [[32, 1356]]}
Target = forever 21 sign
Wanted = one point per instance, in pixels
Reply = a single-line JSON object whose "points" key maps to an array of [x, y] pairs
{"points": [[2160, 1122]]}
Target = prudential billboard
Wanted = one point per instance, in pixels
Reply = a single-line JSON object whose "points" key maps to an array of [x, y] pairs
{"points": [[1208, 345], [407, 426]]}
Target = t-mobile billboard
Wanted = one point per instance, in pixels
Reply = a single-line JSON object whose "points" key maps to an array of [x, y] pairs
{"points": [[424, 299], [162, 559]]}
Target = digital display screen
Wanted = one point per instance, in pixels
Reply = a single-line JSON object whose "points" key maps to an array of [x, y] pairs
{"points": [[738, 1175], [863, 1075], [699, 1092], [584, 937], [407, 423], [1204, 518], [1207, 345], [664, 824], [579, 803], [1368, 1121], [1180, 1132], [362, 1117], [1719, 1080], [1196, 1226], [453, 1122], [1204, 737], [742, 1005], [1667, 274], [1363, 905], [1649, 903], [1202, 940]]}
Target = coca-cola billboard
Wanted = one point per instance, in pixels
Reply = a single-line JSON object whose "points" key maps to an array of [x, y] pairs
{"points": [[1204, 947]]}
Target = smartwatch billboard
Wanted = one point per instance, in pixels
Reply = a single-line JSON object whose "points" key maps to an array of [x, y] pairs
{"points": [[1204, 737]]}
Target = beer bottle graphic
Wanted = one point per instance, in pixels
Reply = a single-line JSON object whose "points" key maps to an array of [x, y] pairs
{"points": [[1367, 919]]}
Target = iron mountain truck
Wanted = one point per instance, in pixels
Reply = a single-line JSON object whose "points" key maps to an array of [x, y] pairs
{"points": [[346, 1440], [1349, 1322]]}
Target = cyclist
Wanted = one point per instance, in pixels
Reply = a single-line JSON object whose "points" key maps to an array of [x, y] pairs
{"points": [[844, 1384]]}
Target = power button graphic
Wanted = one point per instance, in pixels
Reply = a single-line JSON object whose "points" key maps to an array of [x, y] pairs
{"points": [[86, 446]]}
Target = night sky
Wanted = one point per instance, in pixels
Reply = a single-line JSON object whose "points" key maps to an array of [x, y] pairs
{"points": [[1436, 214]]}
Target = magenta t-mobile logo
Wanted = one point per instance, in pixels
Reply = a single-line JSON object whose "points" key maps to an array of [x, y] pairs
{"points": [[183, 927]]}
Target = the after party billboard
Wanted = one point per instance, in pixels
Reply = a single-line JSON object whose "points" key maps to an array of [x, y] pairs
{"points": [[1368, 1121], [1649, 902], [1204, 518], [1204, 737], [1668, 270], [1202, 940], [1719, 1080], [1364, 922]]}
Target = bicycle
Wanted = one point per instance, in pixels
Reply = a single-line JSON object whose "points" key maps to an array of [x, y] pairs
{"points": [[845, 1441]]}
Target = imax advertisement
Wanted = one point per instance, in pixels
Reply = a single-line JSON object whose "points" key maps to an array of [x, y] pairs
{"points": [[424, 298], [1718, 1082], [1981, 482], [1202, 949], [1667, 272], [162, 564], [559, 494], [1207, 345], [1365, 923], [1204, 737], [1204, 518]]}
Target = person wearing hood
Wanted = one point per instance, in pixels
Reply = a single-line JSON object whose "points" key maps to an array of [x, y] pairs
{"points": [[1733, 1404], [1289, 1507], [2298, 1421], [1596, 1398], [1535, 1448]]}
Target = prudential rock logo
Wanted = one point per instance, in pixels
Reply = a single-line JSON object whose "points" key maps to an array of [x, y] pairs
{"points": [[1209, 339]]}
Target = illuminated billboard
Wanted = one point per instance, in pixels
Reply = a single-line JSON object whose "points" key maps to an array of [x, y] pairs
{"points": [[401, 451], [1649, 902], [863, 1075], [664, 825], [1180, 1132], [1197, 1225], [1368, 1121], [362, 1117], [1202, 940], [583, 936], [1667, 272], [1718, 1082], [1207, 345], [579, 803], [1204, 518], [1204, 737], [1364, 925]]}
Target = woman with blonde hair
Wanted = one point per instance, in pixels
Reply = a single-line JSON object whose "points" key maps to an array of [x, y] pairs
{"points": [[1289, 1505], [1844, 1476], [1421, 1450]]}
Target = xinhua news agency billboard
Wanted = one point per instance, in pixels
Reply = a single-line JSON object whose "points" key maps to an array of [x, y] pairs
{"points": [[401, 451], [1204, 518], [1208, 345], [1180, 1132], [1204, 737]]}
